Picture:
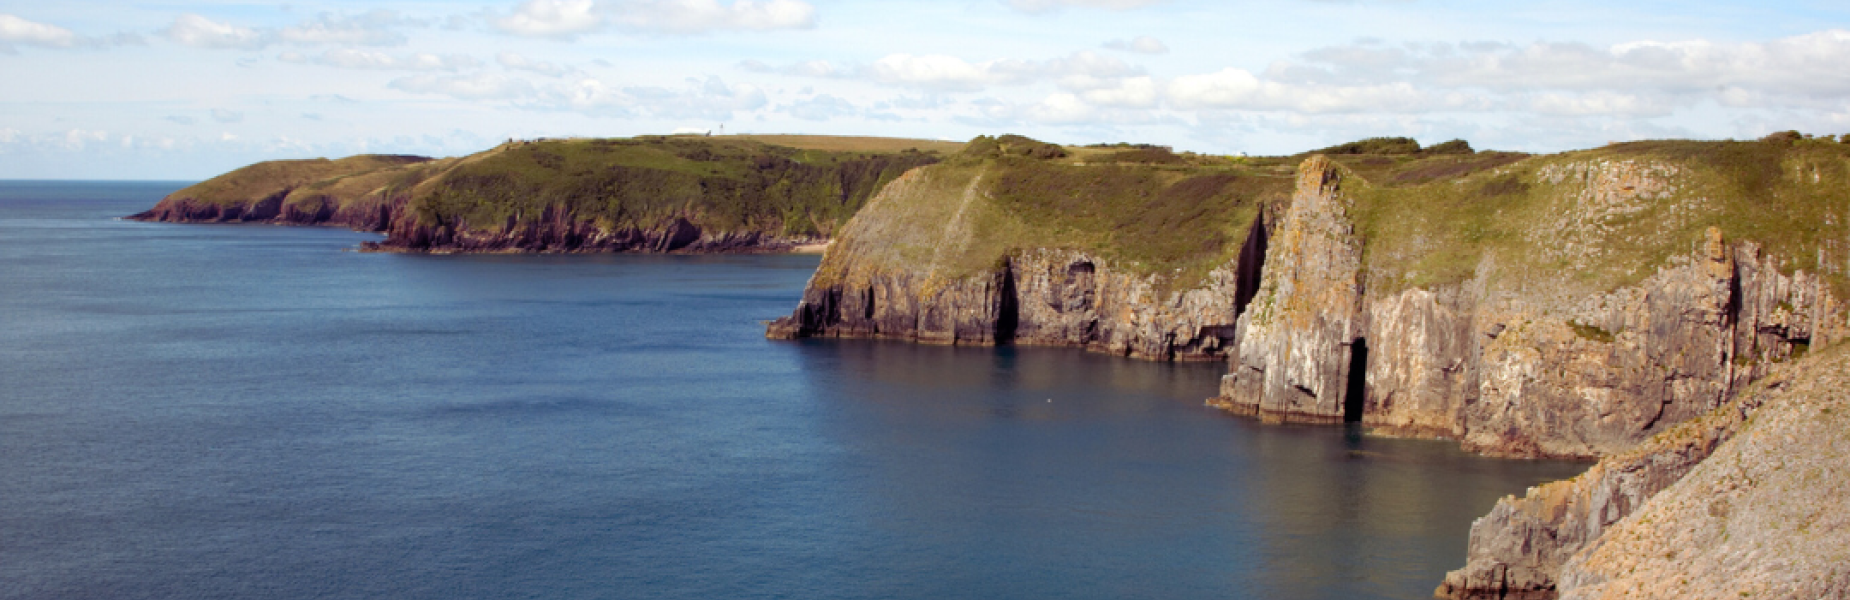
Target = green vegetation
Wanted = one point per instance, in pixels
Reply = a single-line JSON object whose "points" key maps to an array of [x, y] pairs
{"points": [[1592, 333], [1153, 212], [1609, 216], [726, 183], [723, 183]]}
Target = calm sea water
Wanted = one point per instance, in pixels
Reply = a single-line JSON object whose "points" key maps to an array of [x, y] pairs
{"points": [[198, 411]]}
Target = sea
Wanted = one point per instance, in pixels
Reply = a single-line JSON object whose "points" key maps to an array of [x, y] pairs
{"points": [[254, 412]]}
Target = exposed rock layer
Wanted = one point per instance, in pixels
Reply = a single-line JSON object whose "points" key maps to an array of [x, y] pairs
{"points": [[1038, 296], [1505, 365], [1741, 502]]}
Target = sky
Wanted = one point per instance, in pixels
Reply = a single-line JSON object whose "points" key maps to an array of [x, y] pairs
{"points": [[184, 90]]}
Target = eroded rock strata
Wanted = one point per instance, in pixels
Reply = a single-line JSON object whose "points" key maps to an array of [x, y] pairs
{"points": [[1507, 362], [1744, 501]]}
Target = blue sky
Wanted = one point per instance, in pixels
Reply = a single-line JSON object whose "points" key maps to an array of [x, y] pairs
{"points": [[186, 90]]}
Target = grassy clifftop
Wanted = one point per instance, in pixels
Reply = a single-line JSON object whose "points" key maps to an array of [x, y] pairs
{"points": [[1592, 219], [791, 186], [1601, 218]]}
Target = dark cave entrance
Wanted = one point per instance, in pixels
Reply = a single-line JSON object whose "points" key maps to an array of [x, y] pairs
{"points": [[1355, 393]]}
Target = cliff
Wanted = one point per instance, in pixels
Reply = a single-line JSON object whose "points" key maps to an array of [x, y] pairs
{"points": [[1554, 343], [1551, 306], [650, 194], [1743, 502], [1020, 242]]}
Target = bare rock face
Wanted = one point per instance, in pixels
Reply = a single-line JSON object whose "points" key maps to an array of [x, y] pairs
{"points": [[1512, 363], [1762, 517], [1740, 502], [1041, 296], [1297, 338]]}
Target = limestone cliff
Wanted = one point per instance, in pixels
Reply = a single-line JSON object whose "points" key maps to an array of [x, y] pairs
{"points": [[988, 251], [656, 194], [1740, 502], [1552, 343]]}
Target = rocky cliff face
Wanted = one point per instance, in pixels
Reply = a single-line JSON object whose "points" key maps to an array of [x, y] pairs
{"points": [[1512, 363], [1036, 296], [1301, 337], [1734, 503]]}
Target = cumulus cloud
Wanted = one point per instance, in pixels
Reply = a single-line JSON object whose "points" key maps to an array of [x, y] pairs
{"points": [[16, 30], [200, 32], [521, 63], [349, 58], [1142, 44], [699, 16], [1240, 89], [1640, 78], [1041, 6], [371, 28], [821, 108], [1078, 71], [710, 98], [565, 19], [480, 86], [552, 18]]}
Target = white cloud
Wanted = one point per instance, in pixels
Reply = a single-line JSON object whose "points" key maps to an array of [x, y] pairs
{"points": [[14, 30], [200, 32], [699, 16], [1040, 6], [565, 19], [1134, 92], [711, 98], [348, 58], [77, 139], [1640, 78], [1600, 103], [521, 63], [821, 108], [223, 115], [481, 86], [372, 28], [552, 18], [1079, 71], [1239, 89], [1142, 44]]}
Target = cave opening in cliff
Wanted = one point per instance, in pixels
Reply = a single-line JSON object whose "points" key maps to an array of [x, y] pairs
{"points": [[1354, 394], [1008, 309]]}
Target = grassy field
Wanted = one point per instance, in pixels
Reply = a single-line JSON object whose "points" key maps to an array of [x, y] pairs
{"points": [[844, 143]]}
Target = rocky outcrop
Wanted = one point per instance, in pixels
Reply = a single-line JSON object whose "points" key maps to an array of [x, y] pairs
{"points": [[1300, 338], [1735, 503]]}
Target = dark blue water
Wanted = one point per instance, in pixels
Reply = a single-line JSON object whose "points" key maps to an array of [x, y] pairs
{"points": [[198, 411]]}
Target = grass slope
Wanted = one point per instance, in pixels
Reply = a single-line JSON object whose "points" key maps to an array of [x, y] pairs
{"points": [[807, 188]]}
